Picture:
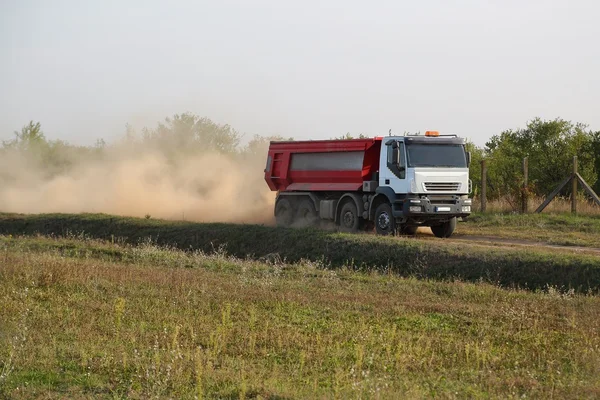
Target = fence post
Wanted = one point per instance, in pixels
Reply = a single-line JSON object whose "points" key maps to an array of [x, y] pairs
{"points": [[574, 188], [525, 194], [483, 185]]}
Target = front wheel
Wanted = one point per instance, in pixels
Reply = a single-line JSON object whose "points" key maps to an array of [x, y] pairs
{"points": [[445, 229], [385, 224]]}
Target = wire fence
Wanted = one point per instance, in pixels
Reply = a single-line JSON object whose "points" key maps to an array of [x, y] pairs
{"points": [[585, 201]]}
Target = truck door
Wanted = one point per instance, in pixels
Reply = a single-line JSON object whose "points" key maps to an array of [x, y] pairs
{"points": [[392, 168]]}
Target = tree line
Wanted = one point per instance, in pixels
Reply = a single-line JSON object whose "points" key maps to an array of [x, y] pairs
{"points": [[549, 145]]}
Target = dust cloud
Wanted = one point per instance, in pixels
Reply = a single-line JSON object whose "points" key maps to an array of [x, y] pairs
{"points": [[134, 178]]}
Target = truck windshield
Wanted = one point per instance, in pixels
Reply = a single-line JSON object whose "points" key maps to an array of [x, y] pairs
{"points": [[436, 155]]}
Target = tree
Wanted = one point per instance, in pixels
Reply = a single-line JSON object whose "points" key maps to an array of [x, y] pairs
{"points": [[52, 156], [30, 137], [477, 154], [348, 136], [550, 146], [259, 145], [595, 150], [191, 133]]}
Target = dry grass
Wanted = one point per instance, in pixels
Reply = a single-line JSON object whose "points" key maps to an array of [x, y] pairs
{"points": [[561, 229], [423, 256], [559, 205], [169, 324]]}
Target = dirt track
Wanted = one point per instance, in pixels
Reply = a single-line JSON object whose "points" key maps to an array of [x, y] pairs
{"points": [[494, 241]]}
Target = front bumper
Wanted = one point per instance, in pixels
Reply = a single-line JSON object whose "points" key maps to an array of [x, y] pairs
{"points": [[436, 208]]}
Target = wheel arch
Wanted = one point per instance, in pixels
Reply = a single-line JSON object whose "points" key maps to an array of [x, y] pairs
{"points": [[383, 194], [355, 197]]}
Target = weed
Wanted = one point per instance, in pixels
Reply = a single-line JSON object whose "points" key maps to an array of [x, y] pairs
{"points": [[314, 332], [528, 267]]}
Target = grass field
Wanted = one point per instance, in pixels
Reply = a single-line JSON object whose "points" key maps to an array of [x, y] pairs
{"points": [[533, 268], [110, 307], [562, 229], [88, 318]]}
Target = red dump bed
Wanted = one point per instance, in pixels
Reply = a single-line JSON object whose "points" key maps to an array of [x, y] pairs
{"points": [[322, 165]]}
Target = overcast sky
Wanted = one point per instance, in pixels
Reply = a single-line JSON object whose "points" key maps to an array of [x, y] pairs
{"points": [[307, 69]]}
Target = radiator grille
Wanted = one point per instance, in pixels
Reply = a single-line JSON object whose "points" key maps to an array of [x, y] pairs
{"points": [[442, 186]]}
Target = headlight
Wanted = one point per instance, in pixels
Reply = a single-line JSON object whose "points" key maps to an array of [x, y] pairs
{"points": [[415, 201], [414, 209], [466, 209], [467, 201]]}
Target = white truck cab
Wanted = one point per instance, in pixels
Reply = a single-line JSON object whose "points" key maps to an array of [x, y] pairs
{"points": [[426, 180]]}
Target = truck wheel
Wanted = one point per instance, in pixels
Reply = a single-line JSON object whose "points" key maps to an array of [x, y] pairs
{"points": [[444, 230], [385, 224], [408, 229], [349, 219], [284, 213], [306, 214]]}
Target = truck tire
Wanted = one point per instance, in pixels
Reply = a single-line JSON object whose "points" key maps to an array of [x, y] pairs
{"points": [[445, 229], [385, 224], [349, 219], [306, 214], [284, 213], [408, 229]]}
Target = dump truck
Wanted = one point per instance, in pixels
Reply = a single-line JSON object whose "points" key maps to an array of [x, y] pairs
{"points": [[393, 184]]}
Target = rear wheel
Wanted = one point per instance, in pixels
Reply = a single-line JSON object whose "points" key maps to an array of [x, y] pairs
{"points": [[284, 213], [349, 219], [384, 220], [445, 229], [306, 214]]}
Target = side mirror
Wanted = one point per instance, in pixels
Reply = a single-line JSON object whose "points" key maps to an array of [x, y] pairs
{"points": [[468, 158]]}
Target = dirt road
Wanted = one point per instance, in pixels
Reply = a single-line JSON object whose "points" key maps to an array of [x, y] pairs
{"points": [[497, 241]]}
